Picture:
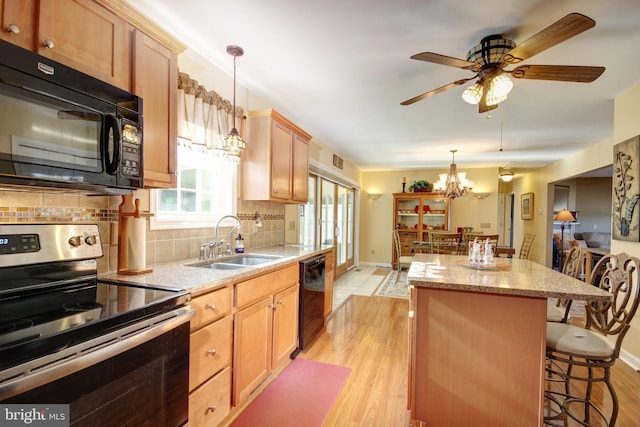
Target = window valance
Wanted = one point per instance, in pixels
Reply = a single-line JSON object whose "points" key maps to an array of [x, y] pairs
{"points": [[204, 117]]}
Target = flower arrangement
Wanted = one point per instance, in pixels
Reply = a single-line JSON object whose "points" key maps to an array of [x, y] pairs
{"points": [[421, 186]]}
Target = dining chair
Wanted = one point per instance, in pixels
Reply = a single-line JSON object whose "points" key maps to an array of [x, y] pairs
{"points": [[576, 354], [445, 243], [527, 242], [404, 261], [560, 310], [469, 236]]}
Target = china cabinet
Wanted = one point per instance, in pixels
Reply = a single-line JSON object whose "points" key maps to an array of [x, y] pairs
{"points": [[415, 215]]}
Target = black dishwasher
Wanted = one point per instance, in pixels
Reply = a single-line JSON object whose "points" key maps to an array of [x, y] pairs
{"points": [[311, 310]]}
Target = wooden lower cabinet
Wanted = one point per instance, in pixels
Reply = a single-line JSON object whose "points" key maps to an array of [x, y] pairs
{"points": [[210, 351], [329, 274], [285, 324], [211, 402], [210, 356], [266, 328]]}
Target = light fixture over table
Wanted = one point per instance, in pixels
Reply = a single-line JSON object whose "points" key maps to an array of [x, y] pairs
{"points": [[233, 142], [455, 184]]}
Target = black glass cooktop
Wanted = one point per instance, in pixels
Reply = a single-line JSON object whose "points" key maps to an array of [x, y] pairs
{"points": [[38, 323]]}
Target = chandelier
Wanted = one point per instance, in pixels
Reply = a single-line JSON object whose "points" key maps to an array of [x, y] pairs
{"points": [[455, 184], [233, 143]]}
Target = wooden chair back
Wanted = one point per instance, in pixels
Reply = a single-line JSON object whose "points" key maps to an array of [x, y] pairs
{"points": [[527, 242], [445, 243], [403, 260]]}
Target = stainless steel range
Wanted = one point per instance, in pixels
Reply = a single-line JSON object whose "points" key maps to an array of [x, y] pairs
{"points": [[117, 354]]}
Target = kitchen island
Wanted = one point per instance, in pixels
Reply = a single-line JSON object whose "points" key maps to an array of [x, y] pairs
{"points": [[478, 337]]}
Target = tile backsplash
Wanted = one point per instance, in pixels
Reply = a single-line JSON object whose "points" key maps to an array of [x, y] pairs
{"points": [[161, 245]]}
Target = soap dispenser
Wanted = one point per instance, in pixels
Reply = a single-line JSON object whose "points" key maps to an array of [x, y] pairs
{"points": [[239, 244]]}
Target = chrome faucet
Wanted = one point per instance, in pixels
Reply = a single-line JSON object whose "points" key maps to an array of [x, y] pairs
{"points": [[219, 243]]}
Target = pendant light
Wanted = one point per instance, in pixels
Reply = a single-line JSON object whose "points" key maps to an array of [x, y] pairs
{"points": [[233, 142]]}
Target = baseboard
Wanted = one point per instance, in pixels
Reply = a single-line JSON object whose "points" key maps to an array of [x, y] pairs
{"points": [[376, 264], [630, 360]]}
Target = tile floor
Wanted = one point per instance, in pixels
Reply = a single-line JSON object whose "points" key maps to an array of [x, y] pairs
{"points": [[360, 280]]}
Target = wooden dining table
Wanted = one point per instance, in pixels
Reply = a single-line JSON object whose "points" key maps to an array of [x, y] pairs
{"points": [[478, 339], [425, 247]]}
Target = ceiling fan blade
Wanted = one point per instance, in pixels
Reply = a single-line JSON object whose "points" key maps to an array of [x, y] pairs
{"points": [[564, 73], [482, 105], [436, 91], [436, 58], [563, 29]]}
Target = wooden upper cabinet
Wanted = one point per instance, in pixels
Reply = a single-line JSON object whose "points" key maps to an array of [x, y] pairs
{"points": [[113, 42], [18, 22], [275, 164], [281, 152], [300, 174], [87, 37], [155, 80]]}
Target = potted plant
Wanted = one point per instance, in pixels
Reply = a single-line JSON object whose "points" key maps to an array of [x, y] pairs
{"points": [[421, 186]]}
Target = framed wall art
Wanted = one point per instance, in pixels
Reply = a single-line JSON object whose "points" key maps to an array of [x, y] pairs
{"points": [[526, 206], [626, 190]]}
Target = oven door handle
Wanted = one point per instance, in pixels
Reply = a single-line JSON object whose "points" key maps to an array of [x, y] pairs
{"points": [[32, 374]]}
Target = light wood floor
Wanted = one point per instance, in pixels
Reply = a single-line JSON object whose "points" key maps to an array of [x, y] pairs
{"points": [[369, 335]]}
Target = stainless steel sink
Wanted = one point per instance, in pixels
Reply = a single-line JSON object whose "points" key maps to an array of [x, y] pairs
{"points": [[218, 266], [249, 260], [235, 262]]}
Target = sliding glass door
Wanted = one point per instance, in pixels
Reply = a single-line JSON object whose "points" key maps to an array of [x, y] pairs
{"points": [[329, 219]]}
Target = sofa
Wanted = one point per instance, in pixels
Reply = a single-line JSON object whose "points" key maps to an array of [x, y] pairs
{"points": [[587, 239], [595, 239]]}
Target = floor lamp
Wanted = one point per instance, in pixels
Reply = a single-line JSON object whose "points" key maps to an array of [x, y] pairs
{"points": [[564, 216]]}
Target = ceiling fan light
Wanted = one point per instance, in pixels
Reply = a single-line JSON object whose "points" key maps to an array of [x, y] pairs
{"points": [[506, 176], [473, 94], [500, 85]]}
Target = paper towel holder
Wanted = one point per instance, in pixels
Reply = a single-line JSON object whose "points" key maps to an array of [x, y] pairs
{"points": [[128, 209]]}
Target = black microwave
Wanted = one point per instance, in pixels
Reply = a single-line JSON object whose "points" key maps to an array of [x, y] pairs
{"points": [[60, 128]]}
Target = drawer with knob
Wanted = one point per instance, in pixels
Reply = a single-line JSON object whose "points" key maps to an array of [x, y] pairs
{"points": [[211, 403], [210, 307], [210, 351]]}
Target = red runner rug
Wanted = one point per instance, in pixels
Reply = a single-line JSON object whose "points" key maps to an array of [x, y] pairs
{"points": [[302, 396]]}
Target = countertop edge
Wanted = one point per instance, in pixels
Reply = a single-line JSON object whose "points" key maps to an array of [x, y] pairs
{"points": [[180, 276]]}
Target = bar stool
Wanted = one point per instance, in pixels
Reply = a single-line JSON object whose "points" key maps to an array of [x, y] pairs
{"points": [[576, 354], [573, 266]]}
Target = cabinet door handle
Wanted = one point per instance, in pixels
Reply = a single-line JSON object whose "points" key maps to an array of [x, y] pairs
{"points": [[211, 352], [279, 301], [211, 409], [210, 306], [13, 29], [48, 43], [270, 305]]}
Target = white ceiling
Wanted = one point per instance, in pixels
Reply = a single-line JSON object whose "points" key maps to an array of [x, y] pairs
{"points": [[339, 69]]}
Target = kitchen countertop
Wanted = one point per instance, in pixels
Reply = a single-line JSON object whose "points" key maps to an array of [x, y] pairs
{"points": [[196, 280], [519, 277]]}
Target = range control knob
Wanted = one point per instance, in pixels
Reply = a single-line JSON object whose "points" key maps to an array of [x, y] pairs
{"points": [[91, 239], [75, 241]]}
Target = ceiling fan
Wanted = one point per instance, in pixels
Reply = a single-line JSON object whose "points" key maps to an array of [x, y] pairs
{"points": [[489, 59]]}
